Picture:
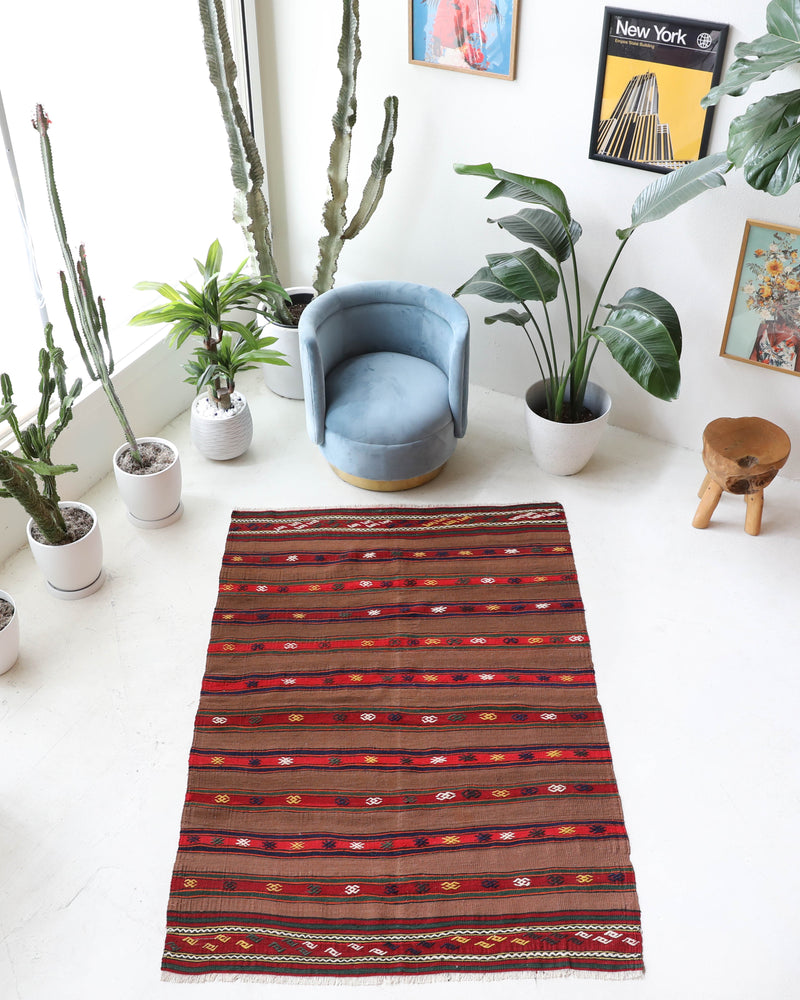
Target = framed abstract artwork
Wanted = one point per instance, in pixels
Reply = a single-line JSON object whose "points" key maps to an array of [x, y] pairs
{"points": [[653, 72], [469, 36], [763, 325]]}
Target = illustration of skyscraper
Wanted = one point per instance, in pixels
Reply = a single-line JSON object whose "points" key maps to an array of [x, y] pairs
{"points": [[634, 131]]}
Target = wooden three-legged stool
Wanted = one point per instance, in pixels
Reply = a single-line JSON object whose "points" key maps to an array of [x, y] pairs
{"points": [[742, 456]]}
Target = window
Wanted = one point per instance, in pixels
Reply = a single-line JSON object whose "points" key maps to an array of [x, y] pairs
{"points": [[140, 155]]}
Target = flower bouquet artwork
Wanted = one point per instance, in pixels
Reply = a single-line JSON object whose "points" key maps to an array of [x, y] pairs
{"points": [[763, 325]]}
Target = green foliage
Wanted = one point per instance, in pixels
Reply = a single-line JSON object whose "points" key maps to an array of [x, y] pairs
{"points": [[251, 210], [30, 476], [764, 142], [641, 331], [89, 327], [208, 312]]}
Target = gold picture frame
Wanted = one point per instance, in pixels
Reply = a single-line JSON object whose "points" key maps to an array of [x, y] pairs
{"points": [[763, 323]]}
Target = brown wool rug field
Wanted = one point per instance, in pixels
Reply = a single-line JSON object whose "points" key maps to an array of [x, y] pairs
{"points": [[400, 768]]}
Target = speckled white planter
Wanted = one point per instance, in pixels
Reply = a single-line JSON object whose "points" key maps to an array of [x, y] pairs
{"points": [[564, 449], [221, 434], [153, 500], [285, 381], [9, 637], [74, 570]]}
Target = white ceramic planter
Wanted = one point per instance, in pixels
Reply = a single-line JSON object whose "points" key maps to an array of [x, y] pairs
{"points": [[153, 500], [220, 434], [564, 449], [9, 637], [74, 570], [285, 381]]}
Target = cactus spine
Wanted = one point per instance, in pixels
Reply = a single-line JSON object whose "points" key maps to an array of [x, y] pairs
{"points": [[18, 472], [250, 206], [90, 329]]}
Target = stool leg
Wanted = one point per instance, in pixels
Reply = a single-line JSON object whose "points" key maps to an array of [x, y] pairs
{"points": [[707, 506], [702, 489], [755, 505]]}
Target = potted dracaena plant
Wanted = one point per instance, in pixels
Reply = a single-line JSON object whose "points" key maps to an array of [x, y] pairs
{"points": [[565, 412], [147, 469], [251, 210], [221, 423], [64, 536]]}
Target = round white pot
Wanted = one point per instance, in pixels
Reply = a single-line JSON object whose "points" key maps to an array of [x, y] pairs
{"points": [[221, 434], [564, 449], [152, 500], [285, 381], [9, 637], [74, 570]]}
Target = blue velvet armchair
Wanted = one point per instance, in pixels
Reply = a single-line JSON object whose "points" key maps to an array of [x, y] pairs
{"points": [[385, 373]]}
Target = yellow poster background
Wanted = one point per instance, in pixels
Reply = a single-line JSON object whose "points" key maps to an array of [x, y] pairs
{"points": [[679, 94]]}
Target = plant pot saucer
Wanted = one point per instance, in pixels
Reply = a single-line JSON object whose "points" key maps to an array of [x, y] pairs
{"points": [[76, 595], [161, 522]]}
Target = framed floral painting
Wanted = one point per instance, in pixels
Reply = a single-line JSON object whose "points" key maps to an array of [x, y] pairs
{"points": [[763, 325], [470, 36]]}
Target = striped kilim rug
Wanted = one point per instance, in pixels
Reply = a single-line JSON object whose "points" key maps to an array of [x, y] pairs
{"points": [[400, 767]]}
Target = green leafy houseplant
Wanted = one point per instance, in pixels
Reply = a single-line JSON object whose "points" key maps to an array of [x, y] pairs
{"points": [[208, 312], [764, 142], [89, 326], [251, 210], [30, 476], [640, 329]]}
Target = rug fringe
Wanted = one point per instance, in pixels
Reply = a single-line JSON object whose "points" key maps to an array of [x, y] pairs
{"points": [[463, 977]]}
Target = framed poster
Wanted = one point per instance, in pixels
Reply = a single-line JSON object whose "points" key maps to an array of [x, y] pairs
{"points": [[653, 72], [469, 36], [763, 325]]}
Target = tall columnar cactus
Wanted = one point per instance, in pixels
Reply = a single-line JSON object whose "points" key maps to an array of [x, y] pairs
{"points": [[19, 473], [250, 208], [90, 329], [334, 215]]}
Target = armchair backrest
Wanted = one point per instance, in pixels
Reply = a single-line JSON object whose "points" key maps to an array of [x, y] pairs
{"points": [[383, 316]]}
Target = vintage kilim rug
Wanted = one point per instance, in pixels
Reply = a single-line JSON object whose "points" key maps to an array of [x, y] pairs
{"points": [[400, 767]]}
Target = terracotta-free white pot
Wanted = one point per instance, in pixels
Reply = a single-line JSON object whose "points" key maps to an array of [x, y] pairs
{"points": [[287, 381], [221, 434], [74, 570], [564, 449], [153, 500], [9, 637]]}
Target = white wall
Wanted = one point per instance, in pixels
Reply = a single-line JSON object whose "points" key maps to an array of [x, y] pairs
{"points": [[430, 226]]}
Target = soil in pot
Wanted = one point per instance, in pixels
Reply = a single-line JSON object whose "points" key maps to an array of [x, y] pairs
{"points": [[6, 613], [584, 416], [79, 523], [155, 458]]}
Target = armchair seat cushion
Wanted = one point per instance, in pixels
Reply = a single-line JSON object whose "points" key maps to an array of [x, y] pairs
{"points": [[386, 398]]}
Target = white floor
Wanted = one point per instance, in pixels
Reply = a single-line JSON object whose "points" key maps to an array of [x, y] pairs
{"points": [[694, 636]]}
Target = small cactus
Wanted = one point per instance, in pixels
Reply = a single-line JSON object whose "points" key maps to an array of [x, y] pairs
{"points": [[19, 472]]}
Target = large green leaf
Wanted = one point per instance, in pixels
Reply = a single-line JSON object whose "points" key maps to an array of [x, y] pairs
{"points": [[674, 189], [509, 316], [651, 302], [765, 143], [533, 190], [486, 284], [526, 273], [543, 229], [641, 344], [759, 59]]}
